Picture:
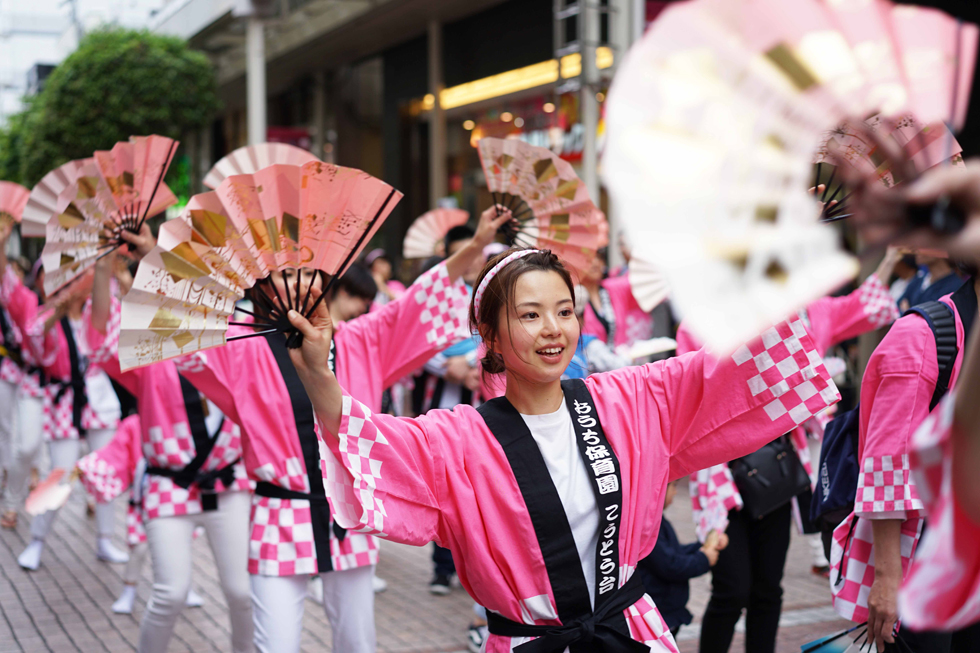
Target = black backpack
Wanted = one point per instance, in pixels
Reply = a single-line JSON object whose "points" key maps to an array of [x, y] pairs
{"points": [[837, 476]]}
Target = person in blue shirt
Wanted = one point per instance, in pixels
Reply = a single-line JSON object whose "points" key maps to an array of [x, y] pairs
{"points": [[936, 278], [666, 572]]}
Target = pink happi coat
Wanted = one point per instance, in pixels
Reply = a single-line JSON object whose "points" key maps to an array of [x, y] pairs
{"points": [[55, 359], [444, 477], [898, 386], [829, 320], [166, 433], [942, 588], [630, 322], [21, 305], [107, 472], [373, 351]]}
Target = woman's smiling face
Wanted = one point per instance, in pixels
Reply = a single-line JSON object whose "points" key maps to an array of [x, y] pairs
{"points": [[539, 334]]}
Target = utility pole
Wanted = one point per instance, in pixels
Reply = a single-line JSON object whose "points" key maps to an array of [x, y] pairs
{"points": [[254, 12], [438, 184]]}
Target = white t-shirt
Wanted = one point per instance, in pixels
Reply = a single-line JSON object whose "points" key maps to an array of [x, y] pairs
{"points": [[101, 395], [554, 434]]}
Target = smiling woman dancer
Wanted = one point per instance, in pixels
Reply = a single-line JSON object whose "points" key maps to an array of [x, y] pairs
{"points": [[548, 496]]}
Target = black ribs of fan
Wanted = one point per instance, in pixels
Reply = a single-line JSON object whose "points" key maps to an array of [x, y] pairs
{"points": [[273, 317], [130, 219], [522, 214]]}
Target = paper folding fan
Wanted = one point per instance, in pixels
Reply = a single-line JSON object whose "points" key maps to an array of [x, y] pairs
{"points": [[424, 237], [551, 205], [50, 494], [116, 190], [318, 216], [649, 285], [252, 158], [923, 147], [44, 198], [711, 127], [13, 198]]}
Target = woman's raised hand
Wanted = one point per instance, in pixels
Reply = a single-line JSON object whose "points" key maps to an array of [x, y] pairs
{"points": [[311, 360]]}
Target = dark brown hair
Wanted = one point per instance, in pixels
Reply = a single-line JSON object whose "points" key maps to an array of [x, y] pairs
{"points": [[499, 296]]}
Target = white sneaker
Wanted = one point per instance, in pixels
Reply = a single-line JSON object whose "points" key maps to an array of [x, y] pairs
{"points": [[378, 584], [124, 604], [314, 590], [106, 551], [30, 559], [194, 600]]}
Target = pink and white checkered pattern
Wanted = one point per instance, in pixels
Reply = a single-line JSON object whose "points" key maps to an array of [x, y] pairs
{"points": [[355, 442], [788, 372], [885, 485], [30, 386], [292, 475], [281, 541], [850, 596], [713, 493], [192, 363], [355, 550], [135, 528], [942, 589], [108, 346], [164, 498], [10, 372], [58, 424], [173, 449], [101, 478], [879, 307], [445, 307]]}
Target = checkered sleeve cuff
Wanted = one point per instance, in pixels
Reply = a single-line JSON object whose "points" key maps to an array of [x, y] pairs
{"points": [[879, 307], [445, 307], [885, 486], [9, 283], [789, 376], [713, 494], [100, 478], [931, 453]]}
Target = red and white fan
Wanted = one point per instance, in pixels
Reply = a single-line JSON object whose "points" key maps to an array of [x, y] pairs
{"points": [[551, 205], [44, 197], [116, 190], [13, 199], [712, 123], [425, 237], [252, 158], [318, 216]]}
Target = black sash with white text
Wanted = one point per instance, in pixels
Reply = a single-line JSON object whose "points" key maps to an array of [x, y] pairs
{"points": [[583, 628]]}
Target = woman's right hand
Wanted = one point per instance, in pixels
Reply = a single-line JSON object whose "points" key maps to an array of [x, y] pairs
{"points": [[312, 359]]}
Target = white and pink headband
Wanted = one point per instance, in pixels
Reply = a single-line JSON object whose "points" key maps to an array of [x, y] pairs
{"points": [[494, 271]]}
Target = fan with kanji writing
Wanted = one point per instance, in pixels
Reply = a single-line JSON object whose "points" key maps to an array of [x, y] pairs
{"points": [[550, 204], [283, 218]]}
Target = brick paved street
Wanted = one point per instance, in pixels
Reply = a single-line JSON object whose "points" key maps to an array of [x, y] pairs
{"points": [[65, 605]]}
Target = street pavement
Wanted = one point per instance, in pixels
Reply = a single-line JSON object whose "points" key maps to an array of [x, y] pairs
{"points": [[64, 606]]}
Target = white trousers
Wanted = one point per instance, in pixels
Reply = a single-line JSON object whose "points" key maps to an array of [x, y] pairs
{"points": [[64, 454], [25, 445], [170, 541], [8, 409], [348, 600], [133, 569]]}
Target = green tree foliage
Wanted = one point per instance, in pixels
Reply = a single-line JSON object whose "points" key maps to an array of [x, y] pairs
{"points": [[118, 83]]}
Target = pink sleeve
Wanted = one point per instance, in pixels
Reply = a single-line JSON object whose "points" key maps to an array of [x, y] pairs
{"points": [[713, 494], [895, 393], [405, 333], [106, 473], [835, 319], [942, 588], [401, 504], [686, 341], [213, 373], [712, 410]]}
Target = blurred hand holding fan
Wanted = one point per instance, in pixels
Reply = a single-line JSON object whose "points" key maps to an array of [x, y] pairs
{"points": [[115, 190], [424, 237], [713, 122], [317, 216], [550, 204]]}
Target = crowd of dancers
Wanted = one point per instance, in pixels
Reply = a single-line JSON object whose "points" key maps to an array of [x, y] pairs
{"points": [[493, 408]]}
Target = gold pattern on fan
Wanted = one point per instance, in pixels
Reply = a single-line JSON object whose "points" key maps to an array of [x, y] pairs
{"points": [[544, 170], [566, 190], [87, 187], [165, 323], [212, 226], [785, 59], [6, 218], [71, 218], [120, 183], [179, 269], [181, 340], [265, 233]]}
